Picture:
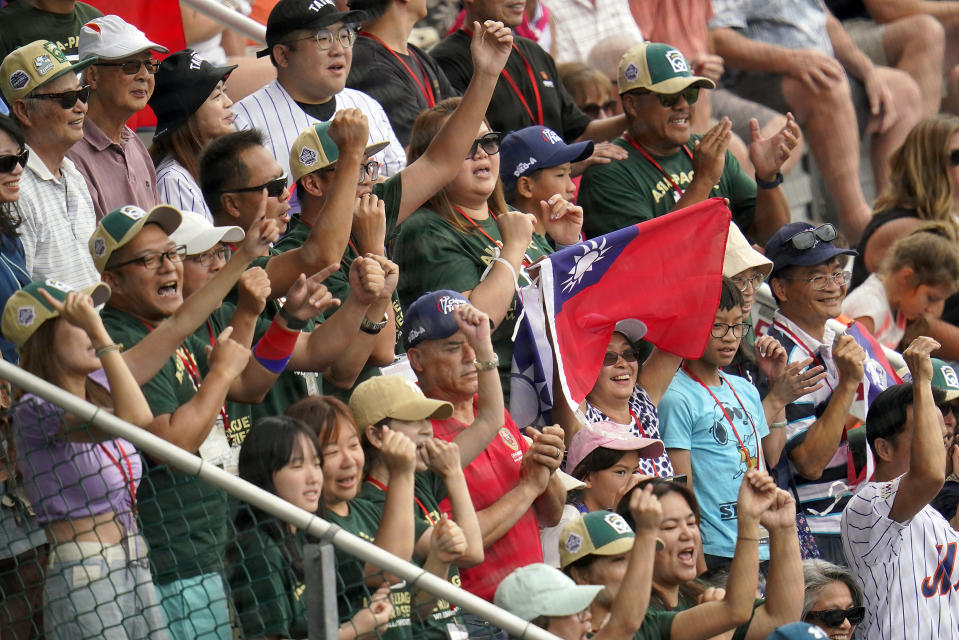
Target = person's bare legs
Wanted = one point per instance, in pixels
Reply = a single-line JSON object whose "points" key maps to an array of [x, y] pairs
{"points": [[906, 97], [916, 44], [828, 122]]}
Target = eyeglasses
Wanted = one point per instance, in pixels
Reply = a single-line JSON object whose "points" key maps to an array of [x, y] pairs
{"points": [[613, 357], [9, 163], [593, 110], [153, 261], [324, 38], [132, 67], [489, 143], [954, 157], [809, 238], [669, 100], [209, 257], [821, 282], [274, 188], [68, 99], [372, 168], [834, 617], [742, 282], [720, 329]]}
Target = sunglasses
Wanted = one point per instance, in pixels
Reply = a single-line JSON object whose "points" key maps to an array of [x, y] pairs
{"points": [[274, 188], [954, 157], [834, 617], [489, 143], [809, 238], [669, 100], [68, 99], [9, 163], [593, 110], [132, 67], [613, 357]]}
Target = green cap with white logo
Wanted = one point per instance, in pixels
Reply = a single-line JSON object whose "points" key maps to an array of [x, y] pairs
{"points": [[26, 309], [314, 150], [658, 68], [601, 533], [944, 378], [121, 225]]}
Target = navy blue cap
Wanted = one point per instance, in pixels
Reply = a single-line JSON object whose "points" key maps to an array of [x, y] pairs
{"points": [[798, 631], [784, 254], [527, 150], [431, 317]]}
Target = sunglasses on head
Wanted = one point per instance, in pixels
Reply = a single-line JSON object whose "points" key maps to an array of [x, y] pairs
{"points": [[274, 188], [809, 238], [489, 143], [612, 357], [834, 617], [67, 98], [8, 163]]}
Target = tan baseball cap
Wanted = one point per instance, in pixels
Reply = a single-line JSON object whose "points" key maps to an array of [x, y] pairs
{"points": [[658, 68], [600, 533], [314, 150], [26, 309], [34, 65], [740, 255], [121, 225], [383, 397]]}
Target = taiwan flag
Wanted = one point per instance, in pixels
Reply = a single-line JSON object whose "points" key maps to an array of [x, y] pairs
{"points": [[665, 273]]}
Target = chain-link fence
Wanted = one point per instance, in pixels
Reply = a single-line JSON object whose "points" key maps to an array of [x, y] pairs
{"points": [[99, 539]]}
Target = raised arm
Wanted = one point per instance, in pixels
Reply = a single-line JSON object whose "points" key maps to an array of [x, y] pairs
{"points": [[547, 448], [444, 459], [395, 533], [657, 373], [768, 155]]}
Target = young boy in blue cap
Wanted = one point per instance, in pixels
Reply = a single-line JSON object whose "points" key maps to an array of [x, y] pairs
{"points": [[535, 166]]}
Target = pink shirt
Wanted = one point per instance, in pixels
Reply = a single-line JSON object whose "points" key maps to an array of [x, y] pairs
{"points": [[680, 23]]}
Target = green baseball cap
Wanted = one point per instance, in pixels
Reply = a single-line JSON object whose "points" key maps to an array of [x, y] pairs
{"points": [[658, 68], [314, 150], [26, 309], [601, 533], [121, 225], [34, 65], [541, 590], [944, 378]]}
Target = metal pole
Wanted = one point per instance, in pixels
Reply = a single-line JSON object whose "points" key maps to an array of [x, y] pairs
{"points": [[312, 524], [230, 18]]}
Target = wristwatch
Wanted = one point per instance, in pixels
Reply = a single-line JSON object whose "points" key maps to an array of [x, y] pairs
{"points": [[770, 184], [373, 328], [487, 365], [292, 323]]}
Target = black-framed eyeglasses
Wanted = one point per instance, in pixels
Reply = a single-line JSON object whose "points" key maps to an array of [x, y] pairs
{"points": [[153, 261], [669, 100], [132, 67], [371, 168], [743, 282], [720, 329], [68, 99], [954, 157], [9, 163], [593, 110], [274, 188], [612, 357], [821, 282], [809, 238], [489, 143], [324, 38], [207, 258], [834, 617]]}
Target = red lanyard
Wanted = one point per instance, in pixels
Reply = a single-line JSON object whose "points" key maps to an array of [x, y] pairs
{"points": [[802, 345], [382, 487], [426, 89], [653, 162], [133, 489], [729, 419], [636, 421], [526, 260], [519, 94]]}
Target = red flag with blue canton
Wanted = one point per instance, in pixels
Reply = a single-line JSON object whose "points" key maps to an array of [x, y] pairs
{"points": [[665, 272]]}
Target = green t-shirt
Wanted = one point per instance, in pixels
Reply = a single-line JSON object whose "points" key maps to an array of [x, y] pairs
{"points": [[22, 24], [184, 519], [268, 595], [391, 193], [625, 192], [433, 254], [429, 490], [352, 592], [658, 622]]}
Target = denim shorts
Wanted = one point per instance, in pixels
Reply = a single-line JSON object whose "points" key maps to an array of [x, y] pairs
{"points": [[197, 608], [97, 591]]}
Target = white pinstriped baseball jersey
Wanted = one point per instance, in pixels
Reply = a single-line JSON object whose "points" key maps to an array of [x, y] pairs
{"points": [[178, 188], [907, 569], [276, 114]]}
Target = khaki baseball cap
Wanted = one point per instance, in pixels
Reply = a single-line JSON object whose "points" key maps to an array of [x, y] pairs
{"points": [[394, 397], [34, 65], [121, 225], [26, 309], [740, 255], [600, 533], [658, 68], [314, 150]]}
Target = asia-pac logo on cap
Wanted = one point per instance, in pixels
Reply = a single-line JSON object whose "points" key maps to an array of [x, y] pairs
{"points": [[19, 79], [616, 523], [676, 61], [133, 212], [99, 246], [316, 5], [447, 304], [631, 72], [574, 542], [26, 315], [308, 157]]}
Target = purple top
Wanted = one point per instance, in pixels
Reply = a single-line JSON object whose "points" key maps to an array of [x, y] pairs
{"points": [[66, 480]]}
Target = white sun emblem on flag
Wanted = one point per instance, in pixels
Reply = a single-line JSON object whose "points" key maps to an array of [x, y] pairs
{"points": [[592, 253]]}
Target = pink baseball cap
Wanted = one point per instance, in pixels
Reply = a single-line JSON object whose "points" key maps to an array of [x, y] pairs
{"points": [[612, 436]]}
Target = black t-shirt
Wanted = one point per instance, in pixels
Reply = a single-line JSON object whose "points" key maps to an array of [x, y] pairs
{"points": [[847, 9], [322, 112], [377, 72], [506, 111]]}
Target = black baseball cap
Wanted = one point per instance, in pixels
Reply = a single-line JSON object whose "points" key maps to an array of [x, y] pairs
{"points": [[183, 83], [288, 16]]}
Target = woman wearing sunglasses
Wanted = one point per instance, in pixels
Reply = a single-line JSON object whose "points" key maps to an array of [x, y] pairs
{"points": [[833, 600], [192, 109], [13, 270], [466, 239]]}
